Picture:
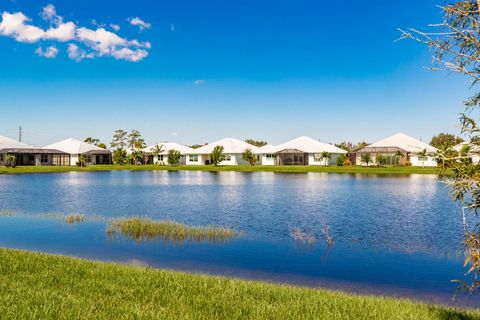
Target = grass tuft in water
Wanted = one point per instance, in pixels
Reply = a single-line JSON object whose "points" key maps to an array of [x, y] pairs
{"points": [[141, 229], [74, 218], [6, 213]]}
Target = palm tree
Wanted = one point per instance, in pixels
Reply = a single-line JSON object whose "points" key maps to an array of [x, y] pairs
{"points": [[423, 154], [398, 155], [157, 150], [325, 156], [366, 158]]}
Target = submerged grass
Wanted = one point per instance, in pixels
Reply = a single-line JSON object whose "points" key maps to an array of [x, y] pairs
{"points": [[41, 286], [74, 218], [140, 229]]}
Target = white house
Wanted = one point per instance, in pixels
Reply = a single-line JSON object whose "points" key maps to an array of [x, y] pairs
{"points": [[267, 155], [76, 148], [305, 151], [232, 148], [165, 147], [27, 155], [473, 150], [410, 148]]}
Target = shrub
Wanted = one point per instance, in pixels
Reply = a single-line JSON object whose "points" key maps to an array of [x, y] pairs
{"points": [[408, 164], [217, 155], [347, 163], [10, 161], [173, 157], [82, 161], [341, 159], [249, 157], [119, 156]]}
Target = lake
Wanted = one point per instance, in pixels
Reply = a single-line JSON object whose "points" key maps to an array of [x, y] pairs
{"points": [[392, 235]]}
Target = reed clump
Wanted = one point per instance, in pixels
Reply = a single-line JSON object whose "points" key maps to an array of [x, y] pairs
{"points": [[74, 218], [141, 229], [6, 213]]}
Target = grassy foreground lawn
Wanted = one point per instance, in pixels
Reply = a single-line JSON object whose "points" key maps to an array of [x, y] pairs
{"points": [[40, 286], [242, 168]]}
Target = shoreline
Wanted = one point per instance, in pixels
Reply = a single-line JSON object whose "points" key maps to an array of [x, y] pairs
{"points": [[238, 168]]}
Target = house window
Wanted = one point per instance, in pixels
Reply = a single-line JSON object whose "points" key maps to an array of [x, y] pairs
{"points": [[31, 158], [1, 157], [44, 158], [193, 158], [88, 159], [317, 157], [420, 158], [228, 157], [160, 157], [270, 156]]}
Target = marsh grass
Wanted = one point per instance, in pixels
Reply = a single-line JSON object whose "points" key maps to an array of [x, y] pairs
{"points": [[141, 229], [74, 218], [6, 213]]}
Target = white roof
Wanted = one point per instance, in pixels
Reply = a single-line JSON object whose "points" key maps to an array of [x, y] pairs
{"points": [[308, 145], [473, 147], [166, 146], [266, 149], [404, 142], [7, 143], [230, 145], [73, 146]]}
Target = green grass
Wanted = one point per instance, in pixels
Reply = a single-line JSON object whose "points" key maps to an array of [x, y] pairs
{"points": [[241, 168], [40, 286], [140, 229]]}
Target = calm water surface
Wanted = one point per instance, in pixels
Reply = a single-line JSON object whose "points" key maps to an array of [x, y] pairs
{"points": [[391, 235]]}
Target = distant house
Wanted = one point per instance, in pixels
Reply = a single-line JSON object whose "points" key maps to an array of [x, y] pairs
{"points": [[473, 150], [76, 148], [165, 147], [27, 155], [232, 148], [267, 155], [411, 149], [300, 151]]}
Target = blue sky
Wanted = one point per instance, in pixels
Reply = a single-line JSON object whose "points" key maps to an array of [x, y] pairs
{"points": [[195, 71]]}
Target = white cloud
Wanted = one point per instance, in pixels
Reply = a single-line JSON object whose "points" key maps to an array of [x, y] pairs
{"points": [[49, 53], [199, 82], [115, 27], [84, 43], [174, 134], [142, 25]]}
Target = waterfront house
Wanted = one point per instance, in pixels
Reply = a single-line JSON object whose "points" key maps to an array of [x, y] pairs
{"points": [[472, 151], [266, 155], [399, 149], [232, 148], [165, 147], [302, 151], [27, 155], [76, 148]]}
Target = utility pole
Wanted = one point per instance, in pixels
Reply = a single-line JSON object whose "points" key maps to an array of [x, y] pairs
{"points": [[20, 133]]}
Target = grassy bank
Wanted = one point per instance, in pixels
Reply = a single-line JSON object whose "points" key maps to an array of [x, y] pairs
{"points": [[241, 168], [42, 286]]}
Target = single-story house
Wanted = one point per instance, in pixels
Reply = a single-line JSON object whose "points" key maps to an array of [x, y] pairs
{"points": [[473, 150], [76, 148], [27, 155], [410, 148], [165, 147], [301, 151], [232, 148], [267, 155]]}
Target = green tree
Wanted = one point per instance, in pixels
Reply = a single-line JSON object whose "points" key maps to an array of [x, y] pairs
{"points": [[341, 160], [346, 145], [366, 158], [119, 156], [157, 151], [93, 141], [445, 140], [102, 145], [136, 144], [381, 160], [119, 140], [398, 156], [173, 157], [325, 156], [217, 155], [256, 143], [250, 157], [82, 161], [10, 161]]}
